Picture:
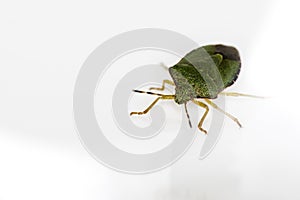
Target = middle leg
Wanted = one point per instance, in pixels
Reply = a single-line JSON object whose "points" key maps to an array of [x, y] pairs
{"points": [[203, 105]]}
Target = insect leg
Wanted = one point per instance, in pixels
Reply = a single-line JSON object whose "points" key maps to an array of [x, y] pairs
{"points": [[235, 94], [203, 105], [164, 97], [163, 85], [164, 66], [222, 111]]}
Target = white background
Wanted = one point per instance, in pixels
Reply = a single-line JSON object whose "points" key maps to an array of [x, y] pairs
{"points": [[42, 47]]}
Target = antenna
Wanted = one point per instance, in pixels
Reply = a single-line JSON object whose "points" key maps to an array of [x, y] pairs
{"points": [[187, 114]]}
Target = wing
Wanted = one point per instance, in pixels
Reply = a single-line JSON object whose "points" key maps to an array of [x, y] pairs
{"points": [[231, 64], [208, 70]]}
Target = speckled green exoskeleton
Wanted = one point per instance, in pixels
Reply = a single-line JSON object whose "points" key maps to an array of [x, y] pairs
{"points": [[202, 74]]}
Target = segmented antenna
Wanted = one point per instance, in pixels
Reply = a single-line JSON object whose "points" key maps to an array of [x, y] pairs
{"points": [[188, 116], [152, 93]]}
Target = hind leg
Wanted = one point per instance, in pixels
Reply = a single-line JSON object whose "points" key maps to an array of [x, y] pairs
{"points": [[235, 94], [222, 111]]}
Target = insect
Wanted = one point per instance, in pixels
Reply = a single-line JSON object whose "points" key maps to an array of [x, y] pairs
{"points": [[202, 74]]}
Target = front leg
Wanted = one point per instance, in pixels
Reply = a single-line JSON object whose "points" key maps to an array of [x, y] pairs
{"points": [[163, 97], [163, 85]]}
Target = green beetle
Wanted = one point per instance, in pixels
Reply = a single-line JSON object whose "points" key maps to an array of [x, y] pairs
{"points": [[202, 74]]}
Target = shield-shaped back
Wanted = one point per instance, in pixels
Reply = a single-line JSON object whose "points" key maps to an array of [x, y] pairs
{"points": [[205, 72]]}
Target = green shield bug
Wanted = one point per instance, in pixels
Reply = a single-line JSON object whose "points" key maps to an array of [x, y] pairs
{"points": [[194, 80]]}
